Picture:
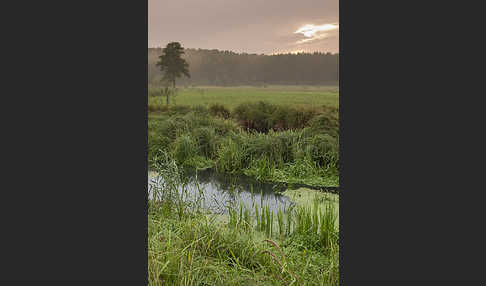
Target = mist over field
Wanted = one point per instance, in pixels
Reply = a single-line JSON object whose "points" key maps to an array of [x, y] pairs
{"points": [[227, 68]]}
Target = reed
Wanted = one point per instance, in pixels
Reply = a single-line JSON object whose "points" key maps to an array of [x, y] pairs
{"points": [[189, 246]]}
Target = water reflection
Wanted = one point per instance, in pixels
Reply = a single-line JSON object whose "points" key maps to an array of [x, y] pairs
{"points": [[216, 192]]}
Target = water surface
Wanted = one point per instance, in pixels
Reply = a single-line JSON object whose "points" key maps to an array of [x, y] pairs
{"points": [[216, 192]]}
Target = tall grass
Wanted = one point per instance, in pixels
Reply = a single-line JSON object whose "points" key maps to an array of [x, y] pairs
{"points": [[195, 138], [198, 140], [186, 246]]}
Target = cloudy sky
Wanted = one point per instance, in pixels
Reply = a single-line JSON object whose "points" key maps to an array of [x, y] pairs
{"points": [[252, 26]]}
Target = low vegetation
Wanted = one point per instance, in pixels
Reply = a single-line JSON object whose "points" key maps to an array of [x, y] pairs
{"points": [[230, 97], [189, 246], [265, 141]]}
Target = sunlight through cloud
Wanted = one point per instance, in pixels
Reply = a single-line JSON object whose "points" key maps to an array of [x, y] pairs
{"points": [[313, 32]]}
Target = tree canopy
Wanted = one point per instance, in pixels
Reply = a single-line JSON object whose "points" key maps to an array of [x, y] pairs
{"points": [[171, 63]]}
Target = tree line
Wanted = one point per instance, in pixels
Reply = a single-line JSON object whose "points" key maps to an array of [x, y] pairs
{"points": [[227, 68]]}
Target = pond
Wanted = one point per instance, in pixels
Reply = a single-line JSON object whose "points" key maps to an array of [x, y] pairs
{"points": [[216, 192]]}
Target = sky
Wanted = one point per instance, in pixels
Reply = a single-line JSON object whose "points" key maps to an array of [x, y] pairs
{"points": [[251, 26]]}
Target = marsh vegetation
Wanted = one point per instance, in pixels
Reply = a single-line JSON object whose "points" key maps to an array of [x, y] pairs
{"points": [[251, 227], [269, 142], [188, 245]]}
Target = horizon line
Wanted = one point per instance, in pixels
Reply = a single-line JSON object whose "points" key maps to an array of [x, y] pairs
{"points": [[269, 54]]}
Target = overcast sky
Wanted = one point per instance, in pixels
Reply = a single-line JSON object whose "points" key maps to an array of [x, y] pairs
{"points": [[252, 26]]}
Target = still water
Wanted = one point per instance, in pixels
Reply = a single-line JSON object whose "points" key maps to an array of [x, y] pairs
{"points": [[216, 192]]}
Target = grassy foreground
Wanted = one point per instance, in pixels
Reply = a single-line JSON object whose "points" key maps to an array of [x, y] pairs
{"points": [[187, 246]]}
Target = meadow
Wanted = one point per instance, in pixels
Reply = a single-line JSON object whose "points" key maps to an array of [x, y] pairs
{"points": [[300, 96]]}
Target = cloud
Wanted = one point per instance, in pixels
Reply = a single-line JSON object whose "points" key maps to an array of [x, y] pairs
{"points": [[317, 37], [252, 26], [313, 32]]}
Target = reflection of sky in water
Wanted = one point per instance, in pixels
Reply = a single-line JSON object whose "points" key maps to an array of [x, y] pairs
{"points": [[216, 192]]}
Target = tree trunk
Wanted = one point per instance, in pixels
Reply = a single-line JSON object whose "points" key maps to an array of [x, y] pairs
{"points": [[169, 92], [167, 97], [173, 90]]}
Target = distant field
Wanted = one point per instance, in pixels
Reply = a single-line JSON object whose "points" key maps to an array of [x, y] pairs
{"points": [[304, 96]]}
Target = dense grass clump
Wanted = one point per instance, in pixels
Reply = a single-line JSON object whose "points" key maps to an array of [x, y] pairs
{"points": [[255, 115], [321, 149], [265, 141], [286, 117], [325, 123], [184, 148], [206, 141], [197, 139], [262, 117], [220, 110]]}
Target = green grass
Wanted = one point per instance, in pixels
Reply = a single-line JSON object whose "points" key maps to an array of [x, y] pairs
{"points": [[187, 246], [195, 138], [305, 197], [300, 96], [201, 141]]}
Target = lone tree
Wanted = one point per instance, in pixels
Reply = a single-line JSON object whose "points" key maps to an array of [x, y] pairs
{"points": [[172, 65]]}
